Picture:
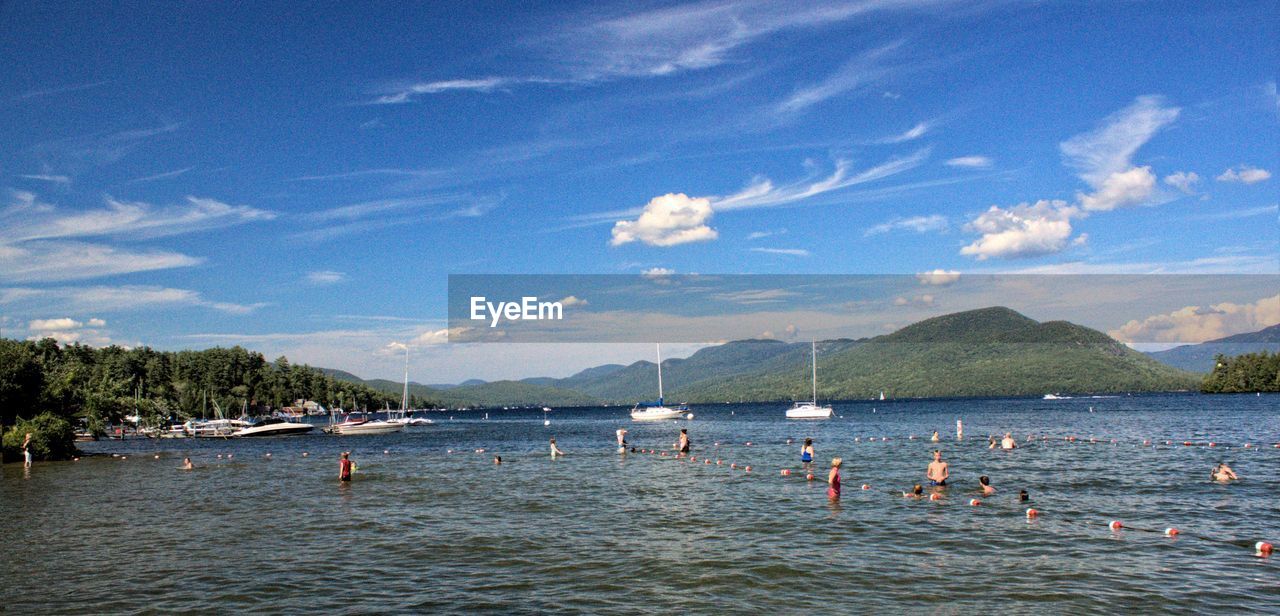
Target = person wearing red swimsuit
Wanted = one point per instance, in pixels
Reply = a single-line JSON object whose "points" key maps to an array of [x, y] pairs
{"points": [[833, 479]]}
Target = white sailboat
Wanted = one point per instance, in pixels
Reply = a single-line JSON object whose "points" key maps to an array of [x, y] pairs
{"points": [[645, 411], [404, 415], [810, 409]]}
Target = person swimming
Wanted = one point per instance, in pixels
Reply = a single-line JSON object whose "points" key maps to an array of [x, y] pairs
{"points": [[935, 438], [1008, 442], [1023, 496], [497, 460], [916, 492], [938, 471], [555, 451], [985, 483], [806, 451], [991, 442], [187, 465], [833, 479], [1222, 472]]}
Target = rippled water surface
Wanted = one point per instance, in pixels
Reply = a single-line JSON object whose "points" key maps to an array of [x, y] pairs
{"points": [[423, 529]]}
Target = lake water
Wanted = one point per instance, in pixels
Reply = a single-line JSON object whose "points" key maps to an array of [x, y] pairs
{"points": [[424, 530]]}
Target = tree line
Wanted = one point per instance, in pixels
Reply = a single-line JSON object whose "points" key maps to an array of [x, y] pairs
{"points": [[96, 387], [1244, 374]]}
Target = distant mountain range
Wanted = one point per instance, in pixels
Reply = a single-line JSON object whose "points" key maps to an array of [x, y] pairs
{"points": [[987, 352], [1199, 357]]}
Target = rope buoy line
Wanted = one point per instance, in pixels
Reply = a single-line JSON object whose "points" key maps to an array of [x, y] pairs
{"points": [[1261, 549]]}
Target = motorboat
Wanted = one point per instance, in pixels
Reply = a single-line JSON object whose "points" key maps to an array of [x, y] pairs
{"points": [[360, 424], [809, 409], [215, 428], [274, 426], [646, 411]]}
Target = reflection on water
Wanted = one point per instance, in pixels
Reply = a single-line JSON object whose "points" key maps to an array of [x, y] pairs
{"points": [[421, 529]]}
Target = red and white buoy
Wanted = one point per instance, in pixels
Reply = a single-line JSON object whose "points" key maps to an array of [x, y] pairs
{"points": [[733, 465], [1032, 513], [973, 502], [786, 472], [866, 487], [747, 469], [935, 497], [809, 477], [1115, 525], [1262, 548], [1171, 532]]}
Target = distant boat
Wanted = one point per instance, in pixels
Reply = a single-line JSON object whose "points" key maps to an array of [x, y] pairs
{"points": [[1056, 397], [882, 394], [807, 409], [404, 416], [358, 423], [645, 411]]}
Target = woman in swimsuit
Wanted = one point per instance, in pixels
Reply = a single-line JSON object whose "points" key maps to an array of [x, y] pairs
{"points": [[833, 479], [555, 451], [806, 452], [684, 441]]}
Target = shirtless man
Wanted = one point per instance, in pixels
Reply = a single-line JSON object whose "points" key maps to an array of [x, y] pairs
{"points": [[1222, 472], [1007, 442], [938, 470]]}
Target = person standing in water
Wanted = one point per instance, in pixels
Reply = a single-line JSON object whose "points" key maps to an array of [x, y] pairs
{"points": [[833, 479], [555, 451], [26, 451], [345, 467], [1007, 442], [938, 470], [985, 483], [187, 465], [806, 452], [683, 445], [934, 438], [622, 438]]}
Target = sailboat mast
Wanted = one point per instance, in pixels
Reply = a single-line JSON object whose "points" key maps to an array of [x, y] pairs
{"points": [[814, 348], [659, 345], [404, 398]]}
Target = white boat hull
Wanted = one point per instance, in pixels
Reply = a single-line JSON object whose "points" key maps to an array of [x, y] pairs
{"points": [[278, 429], [809, 411], [369, 427], [657, 412]]}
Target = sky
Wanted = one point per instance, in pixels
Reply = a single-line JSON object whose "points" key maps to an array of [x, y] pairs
{"points": [[303, 180]]}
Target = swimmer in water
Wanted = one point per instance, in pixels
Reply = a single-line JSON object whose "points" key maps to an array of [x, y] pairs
{"points": [[1222, 472], [938, 471], [806, 452], [497, 459], [1023, 496], [555, 451], [187, 465], [833, 479], [916, 492], [622, 438], [985, 483], [991, 442], [683, 445], [934, 438], [1007, 442]]}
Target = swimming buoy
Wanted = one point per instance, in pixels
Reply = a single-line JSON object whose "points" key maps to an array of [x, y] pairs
{"points": [[733, 465], [1115, 525], [973, 502], [1263, 548], [809, 477], [785, 472], [748, 469], [866, 487], [1032, 513], [934, 497], [1171, 532]]}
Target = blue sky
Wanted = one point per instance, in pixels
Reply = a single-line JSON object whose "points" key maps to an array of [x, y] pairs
{"points": [[302, 181]]}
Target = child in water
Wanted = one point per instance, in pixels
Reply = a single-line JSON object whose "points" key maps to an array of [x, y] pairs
{"points": [[555, 451], [916, 492], [345, 467], [985, 483], [806, 451]]}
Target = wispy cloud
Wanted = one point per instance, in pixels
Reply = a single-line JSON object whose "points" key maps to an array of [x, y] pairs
{"points": [[791, 252], [1250, 212], [159, 176], [757, 235], [39, 93], [325, 277], [27, 219], [57, 261], [861, 71], [56, 179], [409, 92], [762, 193], [117, 299], [971, 162], [916, 224], [911, 134]]}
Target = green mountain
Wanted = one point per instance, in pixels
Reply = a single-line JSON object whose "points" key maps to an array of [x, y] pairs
{"points": [[987, 352], [1199, 357]]}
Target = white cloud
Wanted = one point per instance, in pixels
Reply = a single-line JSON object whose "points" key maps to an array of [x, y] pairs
{"points": [[757, 235], [911, 134], [1023, 230], [658, 273], [97, 323], [325, 277], [1120, 189], [1193, 324], [917, 224], [1184, 181], [762, 193], [56, 261], [973, 162], [406, 94], [863, 70], [57, 179], [111, 299], [27, 219], [437, 336], [794, 252], [1109, 149], [49, 324], [938, 277], [573, 300], [1244, 174], [669, 220], [919, 300]]}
